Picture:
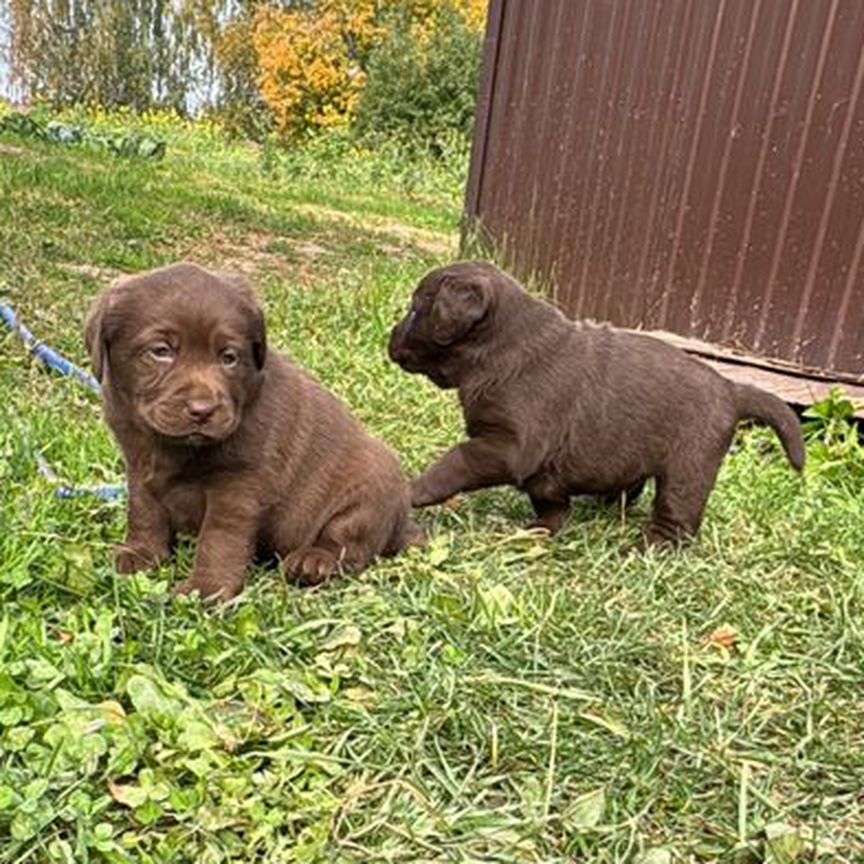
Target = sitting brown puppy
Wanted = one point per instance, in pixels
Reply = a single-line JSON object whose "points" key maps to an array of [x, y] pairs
{"points": [[227, 441], [559, 408]]}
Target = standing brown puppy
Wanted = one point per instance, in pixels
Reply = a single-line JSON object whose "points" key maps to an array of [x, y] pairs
{"points": [[559, 408], [227, 441]]}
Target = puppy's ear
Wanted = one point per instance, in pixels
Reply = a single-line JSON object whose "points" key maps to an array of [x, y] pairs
{"points": [[257, 325], [259, 338], [97, 331], [457, 308]]}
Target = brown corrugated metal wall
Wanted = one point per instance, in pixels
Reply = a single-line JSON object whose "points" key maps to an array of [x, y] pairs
{"points": [[695, 166]]}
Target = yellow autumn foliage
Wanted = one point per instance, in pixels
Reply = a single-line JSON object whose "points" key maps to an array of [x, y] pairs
{"points": [[310, 60]]}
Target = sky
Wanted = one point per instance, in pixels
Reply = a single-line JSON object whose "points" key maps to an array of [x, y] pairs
{"points": [[5, 85]]}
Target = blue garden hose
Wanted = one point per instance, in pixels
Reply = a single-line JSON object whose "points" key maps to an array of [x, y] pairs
{"points": [[106, 493], [53, 360], [47, 355]]}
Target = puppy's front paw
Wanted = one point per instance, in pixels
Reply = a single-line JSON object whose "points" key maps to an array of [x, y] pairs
{"points": [[210, 589], [414, 536], [311, 566], [136, 557], [419, 494]]}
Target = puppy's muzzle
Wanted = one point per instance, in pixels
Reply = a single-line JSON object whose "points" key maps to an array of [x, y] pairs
{"points": [[200, 411], [398, 348]]}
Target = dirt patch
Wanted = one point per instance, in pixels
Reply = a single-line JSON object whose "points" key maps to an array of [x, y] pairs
{"points": [[307, 249], [9, 150], [99, 274], [394, 237], [255, 253], [301, 259]]}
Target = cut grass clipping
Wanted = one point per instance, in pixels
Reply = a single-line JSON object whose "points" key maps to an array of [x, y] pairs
{"points": [[494, 697]]}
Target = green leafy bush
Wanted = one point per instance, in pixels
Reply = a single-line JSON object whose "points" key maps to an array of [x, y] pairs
{"points": [[422, 87]]}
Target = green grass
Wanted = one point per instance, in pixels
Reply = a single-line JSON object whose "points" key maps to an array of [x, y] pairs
{"points": [[493, 697]]}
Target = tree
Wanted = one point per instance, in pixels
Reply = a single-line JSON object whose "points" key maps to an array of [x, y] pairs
{"points": [[135, 53]]}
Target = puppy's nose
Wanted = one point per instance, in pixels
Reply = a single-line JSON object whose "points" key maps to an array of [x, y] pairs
{"points": [[200, 410], [395, 347]]}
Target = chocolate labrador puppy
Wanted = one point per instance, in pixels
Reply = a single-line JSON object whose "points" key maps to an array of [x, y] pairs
{"points": [[559, 408], [231, 442]]}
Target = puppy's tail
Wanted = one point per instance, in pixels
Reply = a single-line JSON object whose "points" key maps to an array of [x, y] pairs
{"points": [[756, 404]]}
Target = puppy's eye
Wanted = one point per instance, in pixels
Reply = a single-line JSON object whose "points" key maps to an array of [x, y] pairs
{"points": [[161, 351], [229, 357]]}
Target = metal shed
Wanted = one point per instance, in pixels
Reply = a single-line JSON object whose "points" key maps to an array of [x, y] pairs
{"points": [[692, 167]]}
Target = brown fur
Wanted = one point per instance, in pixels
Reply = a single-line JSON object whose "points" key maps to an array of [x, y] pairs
{"points": [[559, 408], [227, 441]]}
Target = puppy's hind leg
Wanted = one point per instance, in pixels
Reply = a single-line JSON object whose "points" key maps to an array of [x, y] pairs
{"points": [[346, 544], [631, 494], [551, 514], [312, 565], [407, 535], [679, 505]]}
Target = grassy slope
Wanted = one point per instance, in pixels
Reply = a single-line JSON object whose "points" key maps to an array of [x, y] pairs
{"points": [[495, 697]]}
